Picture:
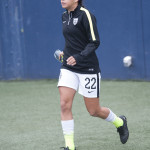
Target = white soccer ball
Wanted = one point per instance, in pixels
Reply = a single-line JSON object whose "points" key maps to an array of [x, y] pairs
{"points": [[127, 61]]}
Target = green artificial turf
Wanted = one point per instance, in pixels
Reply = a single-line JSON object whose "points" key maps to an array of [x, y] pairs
{"points": [[30, 116]]}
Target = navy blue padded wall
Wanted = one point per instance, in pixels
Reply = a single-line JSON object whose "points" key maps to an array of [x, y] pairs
{"points": [[146, 35], [120, 28], [30, 32], [42, 30], [11, 43], [1, 71]]}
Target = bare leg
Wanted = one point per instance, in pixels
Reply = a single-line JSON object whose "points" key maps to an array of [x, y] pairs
{"points": [[94, 108], [66, 100]]}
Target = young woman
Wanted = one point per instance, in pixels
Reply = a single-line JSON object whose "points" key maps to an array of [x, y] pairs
{"points": [[80, 71]]}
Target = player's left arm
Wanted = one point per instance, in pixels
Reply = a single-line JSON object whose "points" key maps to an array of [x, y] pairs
{"points": [[90, 25]]}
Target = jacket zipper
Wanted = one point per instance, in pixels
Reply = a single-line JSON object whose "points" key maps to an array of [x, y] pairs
{"points": [[70, 16]]}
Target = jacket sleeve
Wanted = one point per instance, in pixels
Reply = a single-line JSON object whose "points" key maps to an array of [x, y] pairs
{"points": [[89, 23]]}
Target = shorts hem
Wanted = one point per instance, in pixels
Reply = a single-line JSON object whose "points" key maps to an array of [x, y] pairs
{"points": [[87, 96], [67, 87]]}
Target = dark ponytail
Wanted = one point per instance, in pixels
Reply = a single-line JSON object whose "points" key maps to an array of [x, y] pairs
{"points": [[80, 2]]}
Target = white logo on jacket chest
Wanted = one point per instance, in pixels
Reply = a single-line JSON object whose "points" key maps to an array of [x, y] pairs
{"points": [[75, 21]]}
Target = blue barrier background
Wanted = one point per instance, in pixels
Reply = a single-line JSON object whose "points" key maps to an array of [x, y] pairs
{"points": [[30, 32]]}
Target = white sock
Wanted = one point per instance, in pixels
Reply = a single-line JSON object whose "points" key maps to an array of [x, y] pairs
{"points": [[111, 117], [68, 126]]}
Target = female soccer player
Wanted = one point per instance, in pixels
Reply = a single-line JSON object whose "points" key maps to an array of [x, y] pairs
{"points": [[80, 71]]}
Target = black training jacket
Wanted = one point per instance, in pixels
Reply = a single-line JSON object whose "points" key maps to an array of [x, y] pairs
{"points": [[81, 40]]}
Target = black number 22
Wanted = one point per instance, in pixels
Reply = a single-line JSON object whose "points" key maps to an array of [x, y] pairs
{"points": [[90, 83]]}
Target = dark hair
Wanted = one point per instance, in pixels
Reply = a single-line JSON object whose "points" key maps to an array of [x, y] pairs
{"points": [[80, 2]]}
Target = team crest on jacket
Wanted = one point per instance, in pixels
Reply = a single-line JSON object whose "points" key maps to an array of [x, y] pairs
{"points": [[75, 21]]}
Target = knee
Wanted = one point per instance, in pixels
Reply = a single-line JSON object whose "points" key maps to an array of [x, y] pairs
{"points": [[93, 113], [65, 105]]}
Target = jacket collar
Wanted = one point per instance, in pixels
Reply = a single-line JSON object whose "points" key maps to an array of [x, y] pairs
{"points": [[75, 11]]}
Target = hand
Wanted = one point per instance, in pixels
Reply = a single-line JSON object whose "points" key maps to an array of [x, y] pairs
{"points": [[71, 61]]}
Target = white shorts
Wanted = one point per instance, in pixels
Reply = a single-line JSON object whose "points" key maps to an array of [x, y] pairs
{"points": [[87, 85]]}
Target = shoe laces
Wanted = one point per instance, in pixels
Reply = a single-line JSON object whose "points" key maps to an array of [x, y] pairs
{"points": [[120, 130]]}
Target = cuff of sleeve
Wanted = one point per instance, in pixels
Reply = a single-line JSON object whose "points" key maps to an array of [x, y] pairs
{"points": [[78, 58]]}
